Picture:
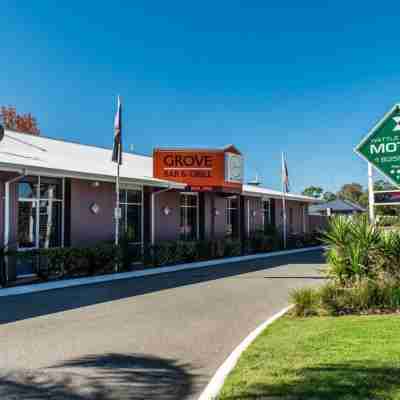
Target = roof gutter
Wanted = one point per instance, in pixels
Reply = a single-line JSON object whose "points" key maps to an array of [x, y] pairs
{"points": [[93, 177], [279, 197]]}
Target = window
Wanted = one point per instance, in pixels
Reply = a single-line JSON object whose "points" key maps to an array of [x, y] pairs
{"points": [[189, 227], [231, 217], [131, 223], [40, 213], [266, 213]]}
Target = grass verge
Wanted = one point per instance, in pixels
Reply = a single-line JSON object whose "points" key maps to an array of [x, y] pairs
{"points": [[326, 358]]}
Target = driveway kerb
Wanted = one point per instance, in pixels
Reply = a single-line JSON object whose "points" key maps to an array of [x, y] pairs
{"points": [[215, 385]]}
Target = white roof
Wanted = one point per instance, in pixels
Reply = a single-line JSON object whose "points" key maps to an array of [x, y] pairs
{"points": [[38, 154], [252, 190]]}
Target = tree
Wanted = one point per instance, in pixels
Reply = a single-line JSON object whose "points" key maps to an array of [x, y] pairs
{"points": [[351, 191], [363, 201], [25, 123], [381, 184], [313, 191], [329, 196]]}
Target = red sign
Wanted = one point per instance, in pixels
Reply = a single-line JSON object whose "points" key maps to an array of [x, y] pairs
{"points": [[202, 170], [387, 197]]}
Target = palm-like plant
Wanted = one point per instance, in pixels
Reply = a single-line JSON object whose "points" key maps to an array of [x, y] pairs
{"points": [[353, 242], [338, 232]]}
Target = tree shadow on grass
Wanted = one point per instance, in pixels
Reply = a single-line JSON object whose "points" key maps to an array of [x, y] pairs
{"points": [[101, 377], [355, 380]]}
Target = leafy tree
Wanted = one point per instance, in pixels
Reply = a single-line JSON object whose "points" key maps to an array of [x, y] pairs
{"points": [[381, 184], [351, 191], [313, 191], [329, 196], [25, 123], [363, 201]]}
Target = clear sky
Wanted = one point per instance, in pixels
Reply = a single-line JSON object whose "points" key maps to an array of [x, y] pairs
{"points": [[308, 78]]}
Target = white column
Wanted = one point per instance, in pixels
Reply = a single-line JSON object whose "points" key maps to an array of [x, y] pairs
{"points": [[371, 197]]}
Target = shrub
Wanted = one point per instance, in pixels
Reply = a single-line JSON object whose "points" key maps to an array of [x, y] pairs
{"points": [[306, 302], [387, 255], [232, 248], [73, 261], [273, 234], [128, 251], [331, 299], [364, 296], [388, 220], [175, 252], [205, 250], [259, 242]]}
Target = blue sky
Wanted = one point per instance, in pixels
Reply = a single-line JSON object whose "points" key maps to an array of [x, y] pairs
{"points": [[309, 80]]}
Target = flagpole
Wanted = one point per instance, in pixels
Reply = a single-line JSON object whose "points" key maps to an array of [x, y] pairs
{"points": [[284, 204], [117, 158], [117, 210]]}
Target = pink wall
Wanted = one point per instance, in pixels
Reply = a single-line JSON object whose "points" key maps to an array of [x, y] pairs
{"points": [[317, 222], [297, 212], [86, 227], [220, 219], [253, 223], [167, 226]]}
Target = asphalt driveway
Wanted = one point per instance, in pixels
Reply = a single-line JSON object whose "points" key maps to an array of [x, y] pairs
{"points": [[158, 337]]}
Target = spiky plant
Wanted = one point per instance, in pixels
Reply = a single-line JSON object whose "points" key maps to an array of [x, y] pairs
{"points": [[338, 232], [353, 244]]}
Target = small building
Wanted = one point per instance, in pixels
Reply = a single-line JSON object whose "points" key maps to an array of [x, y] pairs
{"points": [[56, 193], [336, 207]]}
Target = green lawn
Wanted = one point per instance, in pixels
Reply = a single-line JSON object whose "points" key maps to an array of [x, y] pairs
{"points": [[338, 358]]}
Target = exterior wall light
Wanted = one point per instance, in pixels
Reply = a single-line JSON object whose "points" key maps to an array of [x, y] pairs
{"points": [[216, 212], [95, 184], [254, 213], [95, 208], [166, 211]]}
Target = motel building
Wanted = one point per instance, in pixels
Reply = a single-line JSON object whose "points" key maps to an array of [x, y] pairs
{"points": [[55, 193]]}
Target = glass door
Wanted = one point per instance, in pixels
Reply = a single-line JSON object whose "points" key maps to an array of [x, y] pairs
{"points": [[39, 218]]}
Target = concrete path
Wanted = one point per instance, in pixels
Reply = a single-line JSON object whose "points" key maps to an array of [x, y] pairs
{"points": [[159, 337]]}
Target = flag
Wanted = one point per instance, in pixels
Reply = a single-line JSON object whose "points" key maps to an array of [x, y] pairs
{"points": [[117, 147], [285, 175]]}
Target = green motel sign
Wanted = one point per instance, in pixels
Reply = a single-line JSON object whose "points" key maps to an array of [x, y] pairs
{"points": [[381, 147]]}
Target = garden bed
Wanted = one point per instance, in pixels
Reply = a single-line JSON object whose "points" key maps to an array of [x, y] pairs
{"points": [[330, 358], [106, 258]]}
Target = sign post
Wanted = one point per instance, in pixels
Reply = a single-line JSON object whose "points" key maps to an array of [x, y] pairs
{"points": [[371, 199], [381, 149]]}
